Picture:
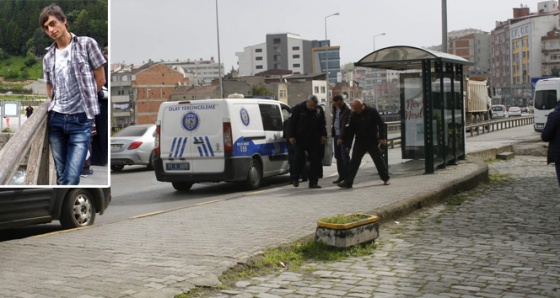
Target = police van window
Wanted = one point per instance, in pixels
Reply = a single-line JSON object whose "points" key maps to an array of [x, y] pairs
{"points": [[271, 117]]}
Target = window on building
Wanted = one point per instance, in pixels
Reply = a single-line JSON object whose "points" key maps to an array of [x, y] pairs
{"points": [[297, 65], [258, 50], [322, 89], [259, 67], [258, 58], [276, 40], [316, 89], [295, 56], [295, 48]]}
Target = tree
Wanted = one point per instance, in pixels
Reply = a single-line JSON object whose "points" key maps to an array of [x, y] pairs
{"points": [[261, 90]]}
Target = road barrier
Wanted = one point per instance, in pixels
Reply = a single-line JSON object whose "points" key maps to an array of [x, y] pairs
{"points": [[30, 140], [394, 127], [493, 125]]}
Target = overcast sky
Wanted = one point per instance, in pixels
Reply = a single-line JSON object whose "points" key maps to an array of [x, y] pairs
{"points": [[186, 29]]}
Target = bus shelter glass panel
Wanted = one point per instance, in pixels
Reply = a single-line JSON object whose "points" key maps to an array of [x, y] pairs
{"points": [[412, 116]]}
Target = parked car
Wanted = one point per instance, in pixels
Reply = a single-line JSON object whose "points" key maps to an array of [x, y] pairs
{"points": [[499, 111], [514, 111], [73, 207], [133, 145]]}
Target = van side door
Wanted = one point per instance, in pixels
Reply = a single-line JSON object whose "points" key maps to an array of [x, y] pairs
{"points": [[275, 155]]}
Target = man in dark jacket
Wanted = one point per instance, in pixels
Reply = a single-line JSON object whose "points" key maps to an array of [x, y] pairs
{"points": [[367, 126], [551, 134], [306, 133], [341, 114]]}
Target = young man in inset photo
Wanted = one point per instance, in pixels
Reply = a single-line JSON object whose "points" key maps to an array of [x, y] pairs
{"points": [[74, 73]]}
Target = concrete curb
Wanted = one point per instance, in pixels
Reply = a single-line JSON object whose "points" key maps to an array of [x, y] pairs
{"points": [[399, 209]]}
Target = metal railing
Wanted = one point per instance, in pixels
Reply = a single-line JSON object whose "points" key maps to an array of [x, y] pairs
{"points": [[394, 127], [493, 125], [29, 148]]}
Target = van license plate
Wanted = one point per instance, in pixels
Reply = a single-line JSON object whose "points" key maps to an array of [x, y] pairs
{"points": [[540, 125], [177, 166]]}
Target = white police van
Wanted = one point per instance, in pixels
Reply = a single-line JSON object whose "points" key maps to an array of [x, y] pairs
{"points": [[214, 140]]}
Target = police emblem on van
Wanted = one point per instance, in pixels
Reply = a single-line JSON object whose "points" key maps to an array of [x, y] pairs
{"points": [[190, 121], [244, 116]]}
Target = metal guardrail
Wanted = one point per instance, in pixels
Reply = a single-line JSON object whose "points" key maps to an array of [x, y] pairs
{"points": [[493, 125], [30, 140], [394, 127]]}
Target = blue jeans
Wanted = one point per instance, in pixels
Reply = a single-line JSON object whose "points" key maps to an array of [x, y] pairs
{"points": [[69, 137]]}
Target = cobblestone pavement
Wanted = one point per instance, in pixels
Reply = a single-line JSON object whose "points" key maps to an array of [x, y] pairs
{"points": [[502, 241]]}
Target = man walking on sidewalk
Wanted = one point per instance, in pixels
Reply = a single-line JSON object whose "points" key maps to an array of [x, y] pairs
{"points": [[367, 126], [551, 134]]}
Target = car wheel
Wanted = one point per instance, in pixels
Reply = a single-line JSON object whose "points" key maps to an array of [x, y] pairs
{"points": [[182, 186], [117, 168], [78, 209], [254, 177], [151, 161]]}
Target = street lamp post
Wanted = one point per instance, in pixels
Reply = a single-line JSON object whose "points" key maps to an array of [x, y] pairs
{"points": [[374, 39], [327, 56], [219, 60]]}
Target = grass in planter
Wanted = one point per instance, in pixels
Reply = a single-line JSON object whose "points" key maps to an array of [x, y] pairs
{"points": [[294, 256], [343, 218]]}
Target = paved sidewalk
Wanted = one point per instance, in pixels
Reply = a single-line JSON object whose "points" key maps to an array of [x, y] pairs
{"points": [[167, 254], [503, 241]]}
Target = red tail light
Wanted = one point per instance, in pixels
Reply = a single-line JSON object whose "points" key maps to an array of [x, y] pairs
{"points": [[228, 141], [156, 142], [134, 145]]}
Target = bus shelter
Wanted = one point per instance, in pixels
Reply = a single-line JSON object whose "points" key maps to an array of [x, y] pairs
{"points": [[432, 108]]}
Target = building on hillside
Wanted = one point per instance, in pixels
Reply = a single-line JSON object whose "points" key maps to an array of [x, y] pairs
{"points": [[136, 93], [526, 49], [200, 72], [551, 53], [288, 51], [519, 48], [473, 45]]}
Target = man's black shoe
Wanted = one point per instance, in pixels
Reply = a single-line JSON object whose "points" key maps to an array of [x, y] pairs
{"points": [[337, 181], [296, 183], [314, 186], [343, 184]]}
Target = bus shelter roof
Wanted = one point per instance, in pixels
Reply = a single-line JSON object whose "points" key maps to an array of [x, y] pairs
{"points": [[406, 57]]}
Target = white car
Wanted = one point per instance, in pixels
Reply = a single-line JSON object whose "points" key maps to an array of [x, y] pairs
{"points": [[134, 145], [499, 111], [514, 111]]}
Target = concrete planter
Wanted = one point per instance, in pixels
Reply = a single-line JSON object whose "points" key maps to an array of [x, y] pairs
{"points": [[350, 234]]}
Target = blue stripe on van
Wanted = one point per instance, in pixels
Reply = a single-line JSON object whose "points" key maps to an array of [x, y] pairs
{"points": [[178, 146], [209, 146], [172, 146], [183, 147]]}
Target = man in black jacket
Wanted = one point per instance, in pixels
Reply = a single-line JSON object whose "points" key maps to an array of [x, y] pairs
{"points": [[341, 114], [367, 126], [306, 133], [551, 134]]}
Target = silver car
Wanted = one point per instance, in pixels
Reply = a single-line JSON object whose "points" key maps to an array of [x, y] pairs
{"points": [[133, 145]]}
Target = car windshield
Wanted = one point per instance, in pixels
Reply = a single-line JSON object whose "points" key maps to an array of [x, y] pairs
{"points": [[496, 108], [132, 131]]}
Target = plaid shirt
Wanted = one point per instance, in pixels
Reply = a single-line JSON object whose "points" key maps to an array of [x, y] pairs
{"points": [[86, 57]]}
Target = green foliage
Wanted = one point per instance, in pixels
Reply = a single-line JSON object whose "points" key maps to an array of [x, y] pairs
{"points": [[21, 35], [343, 218], [20, 68], [261, 90]]}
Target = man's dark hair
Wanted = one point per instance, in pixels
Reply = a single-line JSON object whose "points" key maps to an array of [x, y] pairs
{"points": [[51, 10], [338, 97], [313, 98]]}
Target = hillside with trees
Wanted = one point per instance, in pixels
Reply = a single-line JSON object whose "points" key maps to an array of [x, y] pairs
{"points": [[23, 42]]}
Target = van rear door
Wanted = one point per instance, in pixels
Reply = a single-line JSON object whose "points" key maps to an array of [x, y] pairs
{"points": [[191, 138]]}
